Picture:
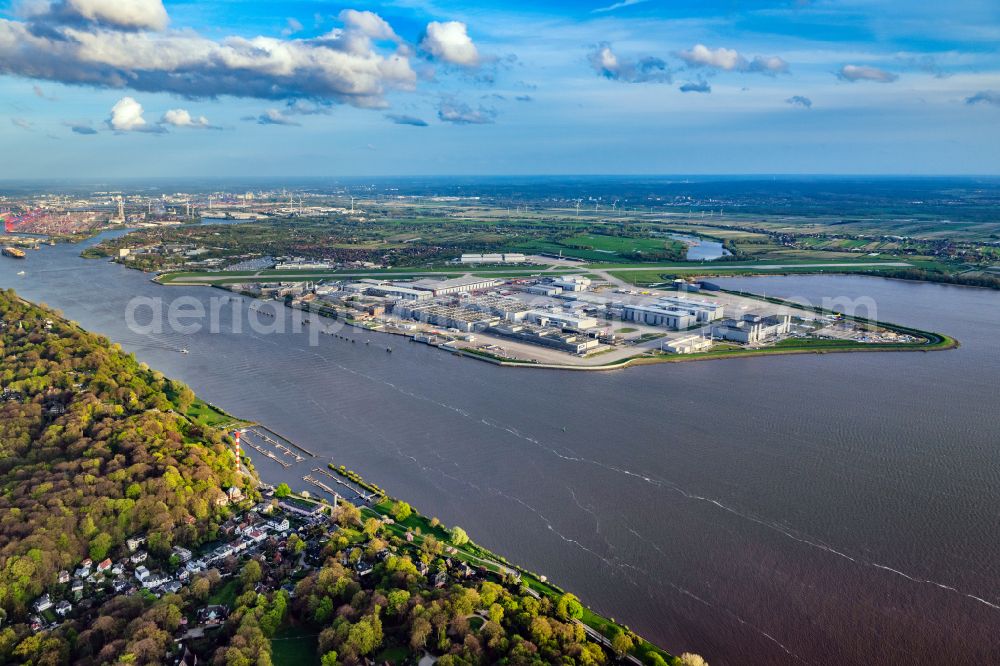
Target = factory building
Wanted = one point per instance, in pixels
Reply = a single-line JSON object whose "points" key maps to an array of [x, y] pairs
{"points": [[572, 283], [544, 290], [446, 316], [752, 329], [659, 315], [506, 258], [704, 311], [455, 285], [690, 344], [546, 337], [561, 319], [673, 312], [510, 309], [397, 292]]}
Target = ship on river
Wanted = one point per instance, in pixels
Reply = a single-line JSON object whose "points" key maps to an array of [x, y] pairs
{"points": [[13, 252]]}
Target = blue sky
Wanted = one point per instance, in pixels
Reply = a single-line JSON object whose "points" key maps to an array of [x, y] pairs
{"points": [[113, 88]]}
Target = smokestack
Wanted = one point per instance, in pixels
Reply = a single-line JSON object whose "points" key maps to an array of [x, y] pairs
{"points": [[236, 446]]}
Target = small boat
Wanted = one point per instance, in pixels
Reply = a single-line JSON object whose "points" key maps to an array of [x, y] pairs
{"points": [[389, 349], [184, 351], [20, 272]]}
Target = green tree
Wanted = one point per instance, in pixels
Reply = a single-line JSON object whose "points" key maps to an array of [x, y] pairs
{"points": [[458, 536], [397, 600], [282, 490], [365, 635], [329, 659], [372, 526], [621, 643], [251, 574], [569, 607], [99, 546], [401, 511]]}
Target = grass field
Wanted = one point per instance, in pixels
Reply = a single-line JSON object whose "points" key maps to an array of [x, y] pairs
{"points": [[293, 646], [226, 595], [205, 414]]}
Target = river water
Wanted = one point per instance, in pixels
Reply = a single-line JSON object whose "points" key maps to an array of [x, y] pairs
{"points": [[821, 509], [701, 249]]}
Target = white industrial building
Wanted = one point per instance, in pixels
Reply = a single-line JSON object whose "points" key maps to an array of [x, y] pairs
{"points": [[572, 283], [690, 344], [398, 292], [752, 329], [455, 285], [544, 289], [704, 311], [673, 312], [562, 319], [446, 316], [659, 315], [506, 258], [510, 309]]}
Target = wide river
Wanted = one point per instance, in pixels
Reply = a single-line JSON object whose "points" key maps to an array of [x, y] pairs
{"points": [[821, 509]]}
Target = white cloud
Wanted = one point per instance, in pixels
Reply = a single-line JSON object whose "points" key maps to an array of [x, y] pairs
{"points": [[459, 113], [450, 42], [730, 60], [645, 70], [768, 65], [272, 117], [721, 58], [854, 73], [369, 24], [121, 14], [342, 66], [126, 116], [183, 118]]}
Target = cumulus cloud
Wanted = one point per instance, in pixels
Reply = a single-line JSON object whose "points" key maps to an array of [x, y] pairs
{"points": [[854, 73], [462, 114], [984, 97], [401, 119], [120, 44], [127, 116], [119, 14], [24, 124], [768, 65], [799, 100], [731, 60], [721, 58], [369, 24], [699, 86], [272, 117], [450, 42], [183, 118], [608, 64]]}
